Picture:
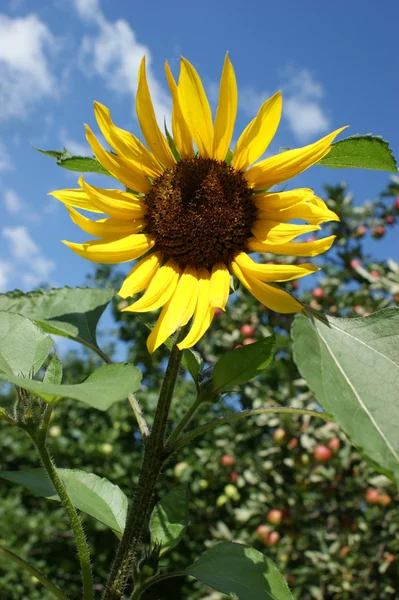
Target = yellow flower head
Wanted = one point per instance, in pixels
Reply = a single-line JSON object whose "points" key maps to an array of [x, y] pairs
{"points": [[194, 217]]}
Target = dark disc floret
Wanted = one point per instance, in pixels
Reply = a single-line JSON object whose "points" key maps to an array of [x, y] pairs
{"points": [[200, 212]]}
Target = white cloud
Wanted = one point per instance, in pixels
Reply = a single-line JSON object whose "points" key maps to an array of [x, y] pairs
{"points": [[25, 251], [25, 75], [5, 161], [14, 203], [5, 269], [115, 54], [302, 105]]}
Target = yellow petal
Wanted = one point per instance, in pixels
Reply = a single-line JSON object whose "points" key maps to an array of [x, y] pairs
{"points": [[160, 289], [77, 198], [127, 146], [195, 108], [148, 123], [293, 248], [115, 251], [203, 314], [106, 228], [220, 286], [283, 166], [268, 294], [315, 212], [181, 133], [226, 111], [130, 179], [141, 274], [270, 273], [273, 232], [177, 311], [282, 200], [117, 204], [257, 136]]}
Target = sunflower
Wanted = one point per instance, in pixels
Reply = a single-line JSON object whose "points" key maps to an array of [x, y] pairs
{"points": [[193, 216]]}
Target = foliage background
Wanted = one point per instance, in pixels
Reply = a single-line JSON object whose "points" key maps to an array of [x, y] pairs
{"points": [[333, 543]]}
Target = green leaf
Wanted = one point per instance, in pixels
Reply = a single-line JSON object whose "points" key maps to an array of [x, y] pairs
{"points": [[171, 143], [69, 312], [108, 384], [53, 372], [352, 366], [82, 164], [193, 362], [229, 157], [23, 345], [243, 364], [361, 152], [240, 572], [169, 519], [89, 493]]}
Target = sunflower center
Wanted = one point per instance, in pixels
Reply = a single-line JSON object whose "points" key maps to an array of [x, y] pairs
{"points": [[200, 212]]}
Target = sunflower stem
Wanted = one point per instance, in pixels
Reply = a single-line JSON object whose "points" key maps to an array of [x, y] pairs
{"points": [[154, 457], [39, 439]]}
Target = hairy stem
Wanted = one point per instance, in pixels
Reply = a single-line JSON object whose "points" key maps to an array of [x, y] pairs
{"points": [[154, 456], [74, 521]]}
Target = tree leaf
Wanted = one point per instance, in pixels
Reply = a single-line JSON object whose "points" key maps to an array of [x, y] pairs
{"points": [[69, 312], [23, 345], [243, 364], [169, 519], [83, 164], [361, 152], [106, 385], [90, 493], [352, 366], [240, 572]]}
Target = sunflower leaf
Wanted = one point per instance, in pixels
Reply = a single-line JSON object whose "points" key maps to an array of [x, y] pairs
{"points": [[23, 345], [98, 390], [89, 493], [169, 519], [352, 367], [243, 364], [82, 164], [361, 152], [240, 572], [69, 312]]}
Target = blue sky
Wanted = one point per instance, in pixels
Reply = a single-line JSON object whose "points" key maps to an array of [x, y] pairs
{"points": [[335, 62]]}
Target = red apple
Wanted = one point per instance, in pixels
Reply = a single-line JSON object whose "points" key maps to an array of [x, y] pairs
{"points": [[280, 435], [227, 460], [372, 496], [295, 285], [218, 312], [247, 330], [318, 293], [344, 551], [378, 232], [248, 341], [322, 453], [390, 220], [375, 274], [389, 557], [334, 444], [396, 203], [275, 516], [262, 530], [360, 231], [237, 346], [273, 538], [384, 499], [355, 262], [293, 443], [233, 477]]}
